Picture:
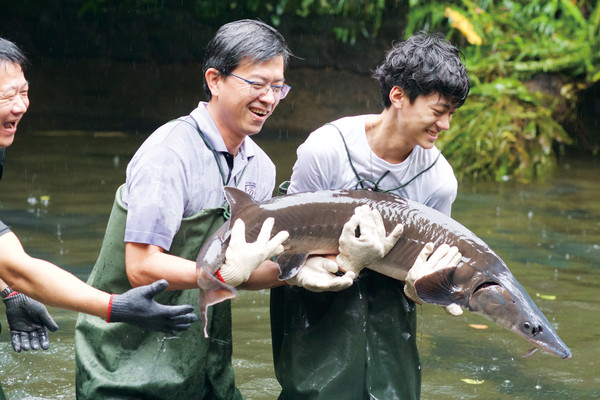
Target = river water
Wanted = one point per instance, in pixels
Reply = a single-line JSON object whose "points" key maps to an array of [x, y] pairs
{"points": [[58, 190]]}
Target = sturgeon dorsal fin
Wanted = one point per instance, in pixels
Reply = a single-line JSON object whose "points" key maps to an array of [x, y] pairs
{"points": [[238, 200]]}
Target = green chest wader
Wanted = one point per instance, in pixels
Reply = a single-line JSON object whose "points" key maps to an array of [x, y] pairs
{"points": [[120, 361], [359, 343]]}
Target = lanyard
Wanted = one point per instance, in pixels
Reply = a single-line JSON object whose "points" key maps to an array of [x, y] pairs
{"points": [[375, 184], [216, 156]]}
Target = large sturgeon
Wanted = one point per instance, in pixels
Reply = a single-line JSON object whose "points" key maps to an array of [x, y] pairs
{"points": [[482, 283]]}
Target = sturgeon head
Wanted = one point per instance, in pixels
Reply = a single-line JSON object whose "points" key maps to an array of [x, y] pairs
{"points": [[482, 283], [495, 294]]}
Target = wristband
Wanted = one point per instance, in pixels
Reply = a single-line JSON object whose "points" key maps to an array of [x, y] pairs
{"points": [[110, 303], [219, 276], [6, 293]]}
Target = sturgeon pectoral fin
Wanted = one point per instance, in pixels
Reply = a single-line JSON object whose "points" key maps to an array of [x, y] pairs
{"points": [[436, 287], [212, 291], [290, 263]]}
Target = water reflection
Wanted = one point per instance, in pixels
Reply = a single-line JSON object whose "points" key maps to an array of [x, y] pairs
{"points": [[59, 186]]}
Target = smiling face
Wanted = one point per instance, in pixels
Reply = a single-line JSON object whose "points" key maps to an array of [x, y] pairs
{"points": [[14, 100], [237, 110], [423, 119]]}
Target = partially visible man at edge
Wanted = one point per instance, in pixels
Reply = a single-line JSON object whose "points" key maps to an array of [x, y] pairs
{"points": [[44, 281], [171, 202]]}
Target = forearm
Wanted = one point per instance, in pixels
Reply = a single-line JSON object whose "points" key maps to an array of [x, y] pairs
{"points": [[147, 263], [47, 283], [266, 276]]}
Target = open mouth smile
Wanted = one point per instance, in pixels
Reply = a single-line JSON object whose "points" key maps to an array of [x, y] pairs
{"points": [[259, 112], [10, 125]]}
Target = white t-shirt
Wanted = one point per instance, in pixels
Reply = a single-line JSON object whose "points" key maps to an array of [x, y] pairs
{"points": [[175, 175], [323, 165]]}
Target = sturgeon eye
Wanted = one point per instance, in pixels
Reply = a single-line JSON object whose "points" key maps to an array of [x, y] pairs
{"points": [[526, 325]]}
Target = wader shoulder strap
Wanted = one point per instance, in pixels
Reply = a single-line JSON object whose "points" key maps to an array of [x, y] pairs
{"points": [[375, 184], [360, 179], [207, 143], [216, 156]]}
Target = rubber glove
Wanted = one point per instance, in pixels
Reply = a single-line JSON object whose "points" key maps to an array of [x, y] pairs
{"points": [[426, 264], [319, 275], [372, 244], [241, 258], [137, 307], [27, 320]]}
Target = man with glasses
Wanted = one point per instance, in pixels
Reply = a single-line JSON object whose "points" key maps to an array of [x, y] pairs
{"points": [[361, 342], [171, 202]]}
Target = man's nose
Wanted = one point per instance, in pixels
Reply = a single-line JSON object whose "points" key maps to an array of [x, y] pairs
{"points": [[20, 104], [444, 122]]}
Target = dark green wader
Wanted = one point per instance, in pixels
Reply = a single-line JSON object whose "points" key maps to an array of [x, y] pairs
{"points": [[121, 361], [356, 344]]}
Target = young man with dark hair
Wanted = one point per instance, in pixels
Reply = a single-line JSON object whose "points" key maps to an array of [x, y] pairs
{"points": [[360, 343]]}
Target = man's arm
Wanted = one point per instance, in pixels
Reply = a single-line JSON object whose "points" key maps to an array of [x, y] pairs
{"points": [[145, 263], [247, 264], [49, 284], [46, 282]]}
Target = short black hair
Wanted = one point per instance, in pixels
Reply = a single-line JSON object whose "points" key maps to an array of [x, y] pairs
{"points": [[243, 39], [424, 64], [11, 53]]}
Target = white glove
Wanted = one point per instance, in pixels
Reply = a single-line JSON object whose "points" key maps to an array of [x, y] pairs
{"points": [[318, 275], [444, 257], [241, 258], [372, 244]]}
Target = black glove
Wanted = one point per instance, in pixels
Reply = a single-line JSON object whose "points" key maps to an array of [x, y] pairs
{"points": [[136, 306], [27, 320]]}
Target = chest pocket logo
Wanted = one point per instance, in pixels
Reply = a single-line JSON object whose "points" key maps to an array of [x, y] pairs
{"points": [[250, 188]]}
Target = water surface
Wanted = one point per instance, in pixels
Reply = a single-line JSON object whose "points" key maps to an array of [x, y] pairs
{"points": [[58, 190]]}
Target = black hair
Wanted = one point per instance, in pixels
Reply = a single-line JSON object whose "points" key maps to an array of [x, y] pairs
{"points": [[11, 53], [424, 64], [239, 40]]}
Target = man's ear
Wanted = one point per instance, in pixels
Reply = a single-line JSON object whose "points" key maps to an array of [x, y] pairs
{"points": [[397, 97], [213, 80]]}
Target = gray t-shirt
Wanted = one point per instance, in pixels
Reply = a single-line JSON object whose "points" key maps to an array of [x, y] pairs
{"points": [[323, 164], [174, 175]]}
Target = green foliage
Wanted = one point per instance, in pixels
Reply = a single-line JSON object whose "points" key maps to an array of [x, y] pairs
{"points": [[361, 17], [503, 131], [355, 17]]}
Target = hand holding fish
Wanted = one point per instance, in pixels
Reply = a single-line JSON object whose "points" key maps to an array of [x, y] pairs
{"points": [[241, 258], [318, 275], [428, 264], [372, 244], [477, 281]]}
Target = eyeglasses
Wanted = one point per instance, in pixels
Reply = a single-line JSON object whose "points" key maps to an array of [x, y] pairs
{"points": [[262, 88]]}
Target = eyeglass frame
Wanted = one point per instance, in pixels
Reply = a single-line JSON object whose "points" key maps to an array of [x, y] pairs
{"points": [[284, 89]]}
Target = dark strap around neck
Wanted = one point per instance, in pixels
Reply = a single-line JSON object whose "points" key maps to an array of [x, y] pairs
{"points": [[375, 184]]}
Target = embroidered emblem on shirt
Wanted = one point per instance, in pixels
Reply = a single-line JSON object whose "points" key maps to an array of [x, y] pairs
{"points": [[250, 188]]}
